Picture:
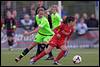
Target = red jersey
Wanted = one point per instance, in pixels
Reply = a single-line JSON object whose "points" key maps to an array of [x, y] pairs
{"points": [[65, 31], [64, 28]]}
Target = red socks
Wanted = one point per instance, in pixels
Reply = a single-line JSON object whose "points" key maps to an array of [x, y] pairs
{"points": [[39, 56], [60, 55]]}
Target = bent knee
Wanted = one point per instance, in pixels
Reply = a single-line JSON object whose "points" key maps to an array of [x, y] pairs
{"points": [[47, 51]]}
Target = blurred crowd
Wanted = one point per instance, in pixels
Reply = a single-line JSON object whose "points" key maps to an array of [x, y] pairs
{"points": [[85, 22], [27, 18]]}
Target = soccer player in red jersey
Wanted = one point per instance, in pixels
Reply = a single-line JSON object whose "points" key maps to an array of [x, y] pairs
{"points": [[61, 32]]}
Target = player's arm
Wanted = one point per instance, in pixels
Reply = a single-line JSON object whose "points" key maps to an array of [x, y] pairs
{"points": [[34, 31], [65, 33], [57, 29]]}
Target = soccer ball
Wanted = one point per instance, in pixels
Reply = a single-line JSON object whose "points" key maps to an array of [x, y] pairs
{"points": [[77, 59]]}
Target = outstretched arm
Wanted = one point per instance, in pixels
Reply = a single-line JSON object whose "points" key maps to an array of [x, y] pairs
{"points": [[34, 31]]}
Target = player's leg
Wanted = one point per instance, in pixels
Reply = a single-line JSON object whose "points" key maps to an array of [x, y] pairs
{"points": [[37, 40], [10, 40], [43, 53], [64, 50], [47, 39], [50, 55], [25, 51], [40, 48], [10, 43]]}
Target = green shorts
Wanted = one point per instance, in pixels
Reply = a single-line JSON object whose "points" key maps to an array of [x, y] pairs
{"points": [[41, 38]]}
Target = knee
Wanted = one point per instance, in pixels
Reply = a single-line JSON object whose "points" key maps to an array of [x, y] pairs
{"points": [[47, 51]]}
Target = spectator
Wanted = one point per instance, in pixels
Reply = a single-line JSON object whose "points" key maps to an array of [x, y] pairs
{"points": [[32, 7], [81, 27], [85, 18], [24, 11], [27, 23], [14, 13], [7, 8], [32, 11], [92, 22], [77, 16]]}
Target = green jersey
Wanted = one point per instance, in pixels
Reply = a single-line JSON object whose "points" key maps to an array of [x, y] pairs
{"points": [[45, 28], [55, 20]]}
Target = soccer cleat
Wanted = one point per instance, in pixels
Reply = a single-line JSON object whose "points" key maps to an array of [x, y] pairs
{"points": [[66, 53], [17, 59], [32, 61], [50, 58], [56, 63], [10, 48]]}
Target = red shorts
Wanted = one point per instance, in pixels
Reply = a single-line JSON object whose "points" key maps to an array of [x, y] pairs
{"points": [[55, 42]]}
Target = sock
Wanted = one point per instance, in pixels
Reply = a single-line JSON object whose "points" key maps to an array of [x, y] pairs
{"points": [[66, 53], [50, 54], [38, 49], [60, 55], [39, 56], [24, 53]]}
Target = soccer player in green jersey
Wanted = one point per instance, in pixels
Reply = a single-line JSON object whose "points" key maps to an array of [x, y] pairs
{"points": [[41, 47], [56, 18], [54, 21], [44, 33]]}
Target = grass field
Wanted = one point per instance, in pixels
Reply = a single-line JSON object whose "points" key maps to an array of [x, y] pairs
{"points": [[90, 57]]}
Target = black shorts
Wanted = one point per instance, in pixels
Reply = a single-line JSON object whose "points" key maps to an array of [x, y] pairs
{"points": [[10, 34]]}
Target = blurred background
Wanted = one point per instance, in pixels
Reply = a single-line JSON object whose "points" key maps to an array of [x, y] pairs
{"points": [[87, 13]]}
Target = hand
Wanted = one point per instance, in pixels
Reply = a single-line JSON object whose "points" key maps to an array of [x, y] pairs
{"points": [[59, 36]]}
